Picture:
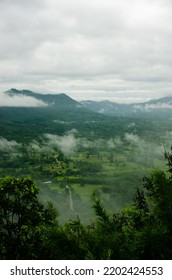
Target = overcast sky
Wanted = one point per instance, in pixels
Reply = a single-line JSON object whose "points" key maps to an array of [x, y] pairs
{"points": [[119, 50]]}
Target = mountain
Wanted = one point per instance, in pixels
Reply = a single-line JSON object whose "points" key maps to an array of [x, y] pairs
{"points": [[54, 100], [107, 108], [90, 118], [61, 114], [161, 106], [64, 102], [163, 100]]}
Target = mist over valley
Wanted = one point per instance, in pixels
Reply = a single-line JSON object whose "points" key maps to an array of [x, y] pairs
{"points": [[66, 145]]}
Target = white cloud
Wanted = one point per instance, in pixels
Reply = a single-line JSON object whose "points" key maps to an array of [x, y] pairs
{"points": [[133, 139], [19, 101], [158, 106], [8, 146], [67, 143], [150, 107], [105, 48]]}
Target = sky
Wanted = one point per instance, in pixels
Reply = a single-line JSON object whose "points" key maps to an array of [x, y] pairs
{"points": [[88, 49]]}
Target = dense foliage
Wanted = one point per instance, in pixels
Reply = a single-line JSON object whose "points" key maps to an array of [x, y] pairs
{"points": [[28, 230]]}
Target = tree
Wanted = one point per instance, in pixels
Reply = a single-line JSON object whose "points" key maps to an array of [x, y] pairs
{"points": [[150, 217], [21, 218], [157, 233]]}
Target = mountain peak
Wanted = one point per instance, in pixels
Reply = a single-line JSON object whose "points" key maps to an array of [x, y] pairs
{"points": [[54, 100]]}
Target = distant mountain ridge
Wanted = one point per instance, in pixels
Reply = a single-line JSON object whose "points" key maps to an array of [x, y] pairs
{"points": [[55, 100], [166, 99], [62, 114], [62, 101], [106, 107], [163, 105]]}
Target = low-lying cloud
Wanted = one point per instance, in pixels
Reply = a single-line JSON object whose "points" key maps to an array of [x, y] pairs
{"points": [[20, 101], [8, 146], [150, 107], [67, 144], [144, 148], [70, 143]]}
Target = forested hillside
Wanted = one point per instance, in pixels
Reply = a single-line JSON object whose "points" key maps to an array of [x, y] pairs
{"points": [[29, 230]]}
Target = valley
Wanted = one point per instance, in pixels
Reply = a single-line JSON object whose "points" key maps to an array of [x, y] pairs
{"points": [[68, 145]]}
